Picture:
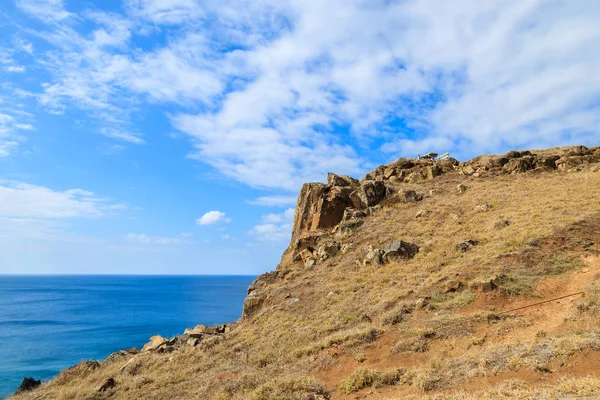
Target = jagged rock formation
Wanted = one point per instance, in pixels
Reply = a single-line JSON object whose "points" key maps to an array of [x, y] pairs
{"points": [[326, 213]]}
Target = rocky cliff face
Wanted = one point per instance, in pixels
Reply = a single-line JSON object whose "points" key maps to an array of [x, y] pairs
{"points": [[325, 213]]}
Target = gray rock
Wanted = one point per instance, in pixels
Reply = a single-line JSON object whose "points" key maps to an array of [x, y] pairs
{"points": [[343, 180], [400, 250], [368, 194], [326, 251], [466, 245], [409, 196], [252, 305], [372, 256], [518, 165], [462, 188]]}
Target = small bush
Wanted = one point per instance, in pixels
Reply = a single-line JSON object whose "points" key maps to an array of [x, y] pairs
{"points": [[365, 377], [517, 285], [290, 388]]}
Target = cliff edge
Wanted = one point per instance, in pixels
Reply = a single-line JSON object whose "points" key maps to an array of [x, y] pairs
{"points": [[424, 279]]}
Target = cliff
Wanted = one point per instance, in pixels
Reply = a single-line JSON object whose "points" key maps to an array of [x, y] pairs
{"points": [[470, 280]]}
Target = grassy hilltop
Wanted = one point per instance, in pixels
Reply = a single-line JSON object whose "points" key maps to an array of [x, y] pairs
{"points": [[415, 282]]}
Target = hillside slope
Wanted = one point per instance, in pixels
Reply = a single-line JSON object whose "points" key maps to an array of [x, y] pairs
{"points": [[417, 281]]}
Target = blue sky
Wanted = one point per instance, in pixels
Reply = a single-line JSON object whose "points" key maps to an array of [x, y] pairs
{"points": [[172, 136]]}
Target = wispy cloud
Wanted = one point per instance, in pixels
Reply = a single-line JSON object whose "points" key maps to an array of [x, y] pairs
{"points": [[276, 93], [28, 210], [46, 10], [151, 240]]}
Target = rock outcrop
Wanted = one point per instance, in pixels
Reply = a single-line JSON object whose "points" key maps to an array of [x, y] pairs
{"points": [[28, 384]]}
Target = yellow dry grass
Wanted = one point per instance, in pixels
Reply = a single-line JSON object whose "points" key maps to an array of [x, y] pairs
{"points": [[298, 351]]}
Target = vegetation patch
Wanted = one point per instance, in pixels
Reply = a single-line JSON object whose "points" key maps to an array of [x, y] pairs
{"points": [[366, 377]]}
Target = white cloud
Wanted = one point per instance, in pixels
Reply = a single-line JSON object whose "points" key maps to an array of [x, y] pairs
{"points": [[45, 10], [274, 201], [145, 239], [7, 147], [228, 237], [276, 93], [16, 68], [22, 200], [165, 11], [275, 227], [212, 217], [33, 211], [10, 129]]}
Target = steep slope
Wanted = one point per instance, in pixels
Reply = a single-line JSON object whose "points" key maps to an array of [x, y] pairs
{"points": [[416, 281]]}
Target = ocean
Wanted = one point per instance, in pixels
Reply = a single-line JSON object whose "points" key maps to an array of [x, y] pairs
{"points": [[48, 323]]}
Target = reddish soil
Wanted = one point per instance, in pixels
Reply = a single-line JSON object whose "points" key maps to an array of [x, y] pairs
{"points": [[523, 325]]}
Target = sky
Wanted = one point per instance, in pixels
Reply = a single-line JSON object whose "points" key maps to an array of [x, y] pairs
{"points": [[172, 136]]}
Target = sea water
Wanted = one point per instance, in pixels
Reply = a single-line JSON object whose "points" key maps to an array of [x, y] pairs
{"points": [[48, 323]]}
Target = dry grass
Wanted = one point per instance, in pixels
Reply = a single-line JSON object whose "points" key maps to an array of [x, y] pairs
{"points": [[277, 354]]}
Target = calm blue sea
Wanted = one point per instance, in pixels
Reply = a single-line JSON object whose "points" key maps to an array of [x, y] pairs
{"points": [[48, 323]]}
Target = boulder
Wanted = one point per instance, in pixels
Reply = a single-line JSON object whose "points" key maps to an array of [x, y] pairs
{"points": [[351, 213], [347, 227], [487, 285], [409, 196], [343, 180], [403, 163], [565, 163], [28, 384], [372, 256], [466, 169], [368, 194], [156, 342], [415, 177], [462, 188], [545, 162], [326, 251], [252, 305], [453, 286], [432, 171], [448, 164], [389, 173], [518, 165], [263, 280], [570, 151], [108, 384], [400, 250], [466, 245], [512, 154]]}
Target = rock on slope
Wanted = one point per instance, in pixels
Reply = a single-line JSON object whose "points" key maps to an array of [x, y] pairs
{"points": [[394, 285]]}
